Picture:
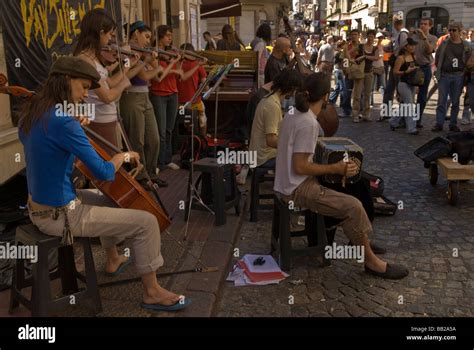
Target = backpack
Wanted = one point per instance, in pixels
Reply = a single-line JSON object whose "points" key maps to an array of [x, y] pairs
{"points": [[393, 58]]}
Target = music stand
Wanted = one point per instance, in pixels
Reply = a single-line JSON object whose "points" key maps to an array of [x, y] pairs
{"points": [[192, 190]]}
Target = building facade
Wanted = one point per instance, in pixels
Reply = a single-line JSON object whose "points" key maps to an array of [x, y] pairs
{"points": [[254, 13], [344, 15], [442, 12]]}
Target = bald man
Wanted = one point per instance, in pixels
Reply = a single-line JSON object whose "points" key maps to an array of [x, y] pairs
{"points": [[278, 59]]}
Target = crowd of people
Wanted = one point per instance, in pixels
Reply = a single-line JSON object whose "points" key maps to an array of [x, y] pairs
{"points": [[401, 65]]}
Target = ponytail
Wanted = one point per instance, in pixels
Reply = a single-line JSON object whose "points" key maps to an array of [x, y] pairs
{"points": [[316, 86]]}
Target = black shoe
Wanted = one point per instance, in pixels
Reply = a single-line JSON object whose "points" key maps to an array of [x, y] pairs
{"points": [[393, 272], [392, 128], [160, 182], [419, 126], [416, 132], [454, 128], [437, 128], [375, 248]]}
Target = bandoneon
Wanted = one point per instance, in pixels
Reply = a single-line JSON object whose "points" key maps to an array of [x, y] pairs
{"points": [[331, 150]]}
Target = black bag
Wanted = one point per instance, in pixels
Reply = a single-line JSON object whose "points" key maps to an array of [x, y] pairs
{"points": [[200, 150], [376, 184], [416, 78], [462, 143]]}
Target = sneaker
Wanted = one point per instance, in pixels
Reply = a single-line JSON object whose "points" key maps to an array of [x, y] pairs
{"points": [[367, 118], [437, 128], [159, 182], [173, 166], [355, 120], [465, 122], [454, 128]]}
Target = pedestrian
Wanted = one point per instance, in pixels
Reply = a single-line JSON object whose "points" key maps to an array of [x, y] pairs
{"points": [[325, 62], [424, 58], [451, 59], [370, 56], [404, 67], [378, 68], [210, 42], [259, 44], [399, 38]]}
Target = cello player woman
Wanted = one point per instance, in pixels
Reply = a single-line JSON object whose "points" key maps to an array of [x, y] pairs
{"points": [[52, 139]]}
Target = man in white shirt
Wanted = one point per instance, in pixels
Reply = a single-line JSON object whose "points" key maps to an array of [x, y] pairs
{"points": [[295, 175]]}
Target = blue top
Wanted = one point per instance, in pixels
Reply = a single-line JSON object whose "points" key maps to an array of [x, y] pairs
{"points": [[50, 150]]}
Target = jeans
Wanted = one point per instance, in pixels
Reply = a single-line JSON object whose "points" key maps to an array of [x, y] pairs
{"points": [[339, 78], [166, 109], [406, 111], [449, 85], [422, 98], [379, 83], [469, 107], [347, 96], [392, 83]]}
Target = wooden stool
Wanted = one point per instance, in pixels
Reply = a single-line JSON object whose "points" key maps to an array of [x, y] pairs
{"points": [[41, 303], [259, 175], [219, 204], [315, 231]]}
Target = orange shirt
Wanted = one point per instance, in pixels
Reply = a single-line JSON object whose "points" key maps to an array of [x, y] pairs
{"points": [[168, 86]]}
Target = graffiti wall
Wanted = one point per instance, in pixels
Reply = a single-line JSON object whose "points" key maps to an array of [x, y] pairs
{"points": [[35, 29]]}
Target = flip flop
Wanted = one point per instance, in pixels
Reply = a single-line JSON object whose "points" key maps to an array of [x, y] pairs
{"points": [[174, 307], [120, 269]]}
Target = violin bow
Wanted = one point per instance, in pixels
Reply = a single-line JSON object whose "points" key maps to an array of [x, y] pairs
{"points": [[16, 91]]}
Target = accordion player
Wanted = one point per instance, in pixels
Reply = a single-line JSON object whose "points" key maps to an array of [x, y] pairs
{"points": [[331, 150]]}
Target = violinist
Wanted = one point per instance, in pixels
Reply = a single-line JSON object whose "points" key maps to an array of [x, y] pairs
{"points": [[52, 139], [137, 111], [194, 74], [97, 30], [164, 97]]}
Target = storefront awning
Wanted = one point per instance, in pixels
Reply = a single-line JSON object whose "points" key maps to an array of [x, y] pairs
{"points": [[220, 8]]}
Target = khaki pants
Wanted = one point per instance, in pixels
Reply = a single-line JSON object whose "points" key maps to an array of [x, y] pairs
{"points": [[356, 95], [368, 82], [140, 125], [94, 215], [319, 199]]}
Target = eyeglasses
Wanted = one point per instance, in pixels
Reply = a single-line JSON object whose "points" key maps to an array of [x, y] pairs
{"points": [[452, 30]]}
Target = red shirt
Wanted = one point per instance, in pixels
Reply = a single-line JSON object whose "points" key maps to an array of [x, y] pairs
{"points": [[187, 88], [167, 86]]}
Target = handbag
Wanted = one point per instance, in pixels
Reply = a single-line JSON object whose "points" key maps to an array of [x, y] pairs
{"points": [[356, 71], [378, 70], [416, 78]]}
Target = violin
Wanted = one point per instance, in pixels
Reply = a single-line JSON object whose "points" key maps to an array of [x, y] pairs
{"points": [[110, 53], [163, 55], [189, 55]]}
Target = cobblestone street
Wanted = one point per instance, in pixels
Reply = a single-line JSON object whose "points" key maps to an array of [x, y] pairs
{"points": [[424, 236]]}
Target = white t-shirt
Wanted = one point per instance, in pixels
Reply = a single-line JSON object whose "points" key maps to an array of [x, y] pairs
{"points": [[298, 134]]}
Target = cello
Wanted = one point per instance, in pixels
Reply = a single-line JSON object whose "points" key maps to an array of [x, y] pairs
{"points": [[125, 191]]}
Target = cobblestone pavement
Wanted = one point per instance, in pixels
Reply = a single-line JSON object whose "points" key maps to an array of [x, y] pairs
{"points": [[424, 236]]}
